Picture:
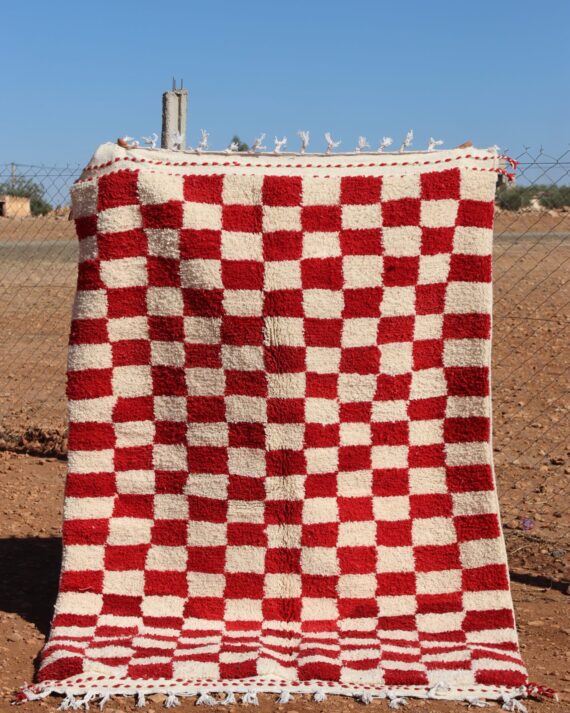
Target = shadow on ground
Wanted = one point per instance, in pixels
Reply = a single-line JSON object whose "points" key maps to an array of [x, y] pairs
{"points": [[29, 584]]}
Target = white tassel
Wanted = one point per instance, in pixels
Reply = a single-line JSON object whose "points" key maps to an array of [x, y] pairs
{"points": [[171, 700], [434, 143], [407, 142], [176, 139], [67, 703], [319, 696], [257, 144], [151, 140], [233, 147], [386, 141], [280, 144], [304, 136], [396, 701], [205, 699], [105, 697], [362, 144], [229, 699], [84, 702], [440, 686], [203, 144], [251, 698], [366, 698], [513, 705], [128, 142], [284, 697], [476, 703], [141, 700], [331, 143]]}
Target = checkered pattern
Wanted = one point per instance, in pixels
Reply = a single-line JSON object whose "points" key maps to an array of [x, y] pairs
{"points": [[279, 456]]}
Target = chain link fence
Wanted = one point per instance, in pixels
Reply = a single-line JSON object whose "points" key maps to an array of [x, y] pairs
{"points": [[530, 357]]}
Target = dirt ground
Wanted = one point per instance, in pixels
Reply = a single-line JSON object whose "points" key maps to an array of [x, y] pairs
{"points": [[31, 496]]}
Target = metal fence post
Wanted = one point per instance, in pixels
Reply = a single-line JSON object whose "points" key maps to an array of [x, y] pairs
{"points": [[174, 113]]}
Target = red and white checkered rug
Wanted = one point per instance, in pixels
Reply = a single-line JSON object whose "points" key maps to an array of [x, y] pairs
{"points": [[280, 470]]}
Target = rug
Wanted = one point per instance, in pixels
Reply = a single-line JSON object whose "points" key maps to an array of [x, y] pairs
{"points": [[280, 470]]}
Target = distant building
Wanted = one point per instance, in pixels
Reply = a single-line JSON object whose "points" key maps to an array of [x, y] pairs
{"points": [[14, 206]]}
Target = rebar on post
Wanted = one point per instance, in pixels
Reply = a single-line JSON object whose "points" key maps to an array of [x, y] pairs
{"points": [[174, 113]]}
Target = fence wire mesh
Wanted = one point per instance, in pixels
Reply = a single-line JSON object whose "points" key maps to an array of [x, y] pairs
{"points": [[38, 255]]}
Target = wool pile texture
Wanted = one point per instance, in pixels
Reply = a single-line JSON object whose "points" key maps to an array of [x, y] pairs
{"points": [[280, 472]]}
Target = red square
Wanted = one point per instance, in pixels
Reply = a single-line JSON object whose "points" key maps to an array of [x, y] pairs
{"points": [[203, 189], [478, 214], [393, 388], [202, 303], [241, 331], [133, 458], [116, 246], [477, 527], [360, 190], [163, 272], [321, 535], [470, 268], [430, 299], [427, 354], [390, 433], [285, 410], [360, 360], [170, 432], [489, 577], [395, 584], [133, 409], [390, 481], [401, 271], [242, 274], [166, 329], [356, 412], [468, 478], [437, 240], [117, 189], [284, 359], [466, 326], [242, 218], [283, 559], [323, 332], [321, 386], [355, 509], [321, 485], [206, 409], [322, 273], [362, 302], [168, 381], [130, 505], [208, 459], [131, 352], [282, 245], [245, 383], [210, 608], [125, 557], [162, 215], [393, 533], [465, 430], [171, 533], [282, 190], [436, 558], [405, 211], [361, 242], [426, 456], [440, 185], [89, 384], [354, 458], [431, 505], [357, 560], [207, 559], [165, 583], [241, 487], [319, 435], [90, 436], [321, 218], [283, 303], [427, 409], [243, 585], [200, 244], [88, 277], [395, 329], [89, 331], [467, 381], [244, 534]]}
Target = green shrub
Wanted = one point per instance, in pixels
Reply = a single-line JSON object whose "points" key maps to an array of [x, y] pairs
{"points": [[21, 186], [513, 198], [555, 197]]}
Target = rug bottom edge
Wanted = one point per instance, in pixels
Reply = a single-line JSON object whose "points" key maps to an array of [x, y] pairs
{"points": [[100, 687]]}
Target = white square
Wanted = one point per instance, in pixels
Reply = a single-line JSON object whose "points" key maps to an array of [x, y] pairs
{"points": [[389, 456], [83, 558], [323, 360], [476, 453], [469, 240], [355, 434], [166, 559], [314, 609], [246, 358], [285, 331], [84, 410], [466, 352], [163, 242], [356, 534], [287, 385], [89, 356], [80, 603], [242, 190], [241, 246], [127, 328], [202, 330], [159, 187], [84, 199], [434, 269], [464, 406], [132, 381], [129, 583], [129, 531], [202, 216], [282, 585], [319, 560], [246, 461], [356, 387], [141, 482], [361, 217], [403, 241], [321, 245], [281, 218], [245, 559], [282, 275], [164, 301], [479, 553], [205, 382], [359, 332], [433, 531], [401, 605], [396, 187], [392, 508], [133, 433], [468, 297], [362, 271], [425, 433], [321, 191], [395, 559], [384, 411], [398, 301], [201, 274], [288, 487], [170, 408], [169, 457], [472, 187], [91, 461], [427, 480], [427, 384], [396, 358], [318, 510], [120, 219], [167, 354], [204, 584], [243, 610], [321, 460], [438, 213], [323, 304], [280, 436], [278, 534], [246, 408], [428, 326], [90, 304], [88, 508], [126, 272], [321, 410], [88, 249], [210, 485], [162, 605], [207, 434], [207, 534], [441, 582], [358, 586], [355, 483]]}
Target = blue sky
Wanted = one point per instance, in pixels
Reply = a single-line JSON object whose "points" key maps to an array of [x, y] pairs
{"points": [[80, 73]]}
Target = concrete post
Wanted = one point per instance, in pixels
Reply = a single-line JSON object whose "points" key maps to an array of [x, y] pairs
{"points": [[174, 113]]}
